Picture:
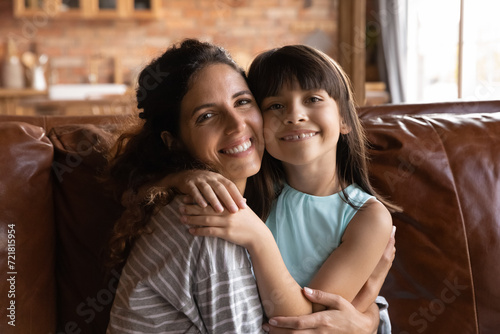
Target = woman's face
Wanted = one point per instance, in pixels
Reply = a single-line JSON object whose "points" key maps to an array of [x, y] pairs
{"points": [[221, 124]]}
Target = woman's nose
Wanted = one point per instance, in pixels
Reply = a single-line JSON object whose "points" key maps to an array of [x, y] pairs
{"points": [[235, 121]]}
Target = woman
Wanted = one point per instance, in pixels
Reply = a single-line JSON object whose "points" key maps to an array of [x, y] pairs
{"points": [[172, 281], [198, 113]]}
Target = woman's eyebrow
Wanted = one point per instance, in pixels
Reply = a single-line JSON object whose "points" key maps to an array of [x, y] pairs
{"points": [[209, 105], [243, 92], [203, 106]]}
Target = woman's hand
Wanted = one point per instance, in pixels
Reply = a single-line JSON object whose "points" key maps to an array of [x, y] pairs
{"points": [[202, 186], [340, 317], [243, 227]]}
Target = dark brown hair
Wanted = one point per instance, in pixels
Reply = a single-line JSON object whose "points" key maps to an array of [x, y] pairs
{"points": [[140, 156], [273, 69]]}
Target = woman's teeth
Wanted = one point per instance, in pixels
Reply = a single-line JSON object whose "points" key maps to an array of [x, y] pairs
{"points": [[240, 148], [299, 136]]}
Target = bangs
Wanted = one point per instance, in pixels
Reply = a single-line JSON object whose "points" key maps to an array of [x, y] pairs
{"points": [[274, 69]]}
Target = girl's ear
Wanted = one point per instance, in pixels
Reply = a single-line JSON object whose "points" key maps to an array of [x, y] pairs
{"points": [[344, 128], [169, 140]]}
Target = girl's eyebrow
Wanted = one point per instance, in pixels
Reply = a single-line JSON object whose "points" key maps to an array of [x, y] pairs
{"points": [[210, 105]]}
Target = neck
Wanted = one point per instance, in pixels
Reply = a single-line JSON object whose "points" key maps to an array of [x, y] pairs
{"points": [[241, 185], [313, 179]]}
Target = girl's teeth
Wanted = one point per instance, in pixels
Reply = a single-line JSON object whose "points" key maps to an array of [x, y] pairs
{"points": [[299, 136]]}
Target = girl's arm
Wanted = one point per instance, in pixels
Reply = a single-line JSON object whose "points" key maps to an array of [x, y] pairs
{"points": [[280, 294], [349, 267], [344, 272]]}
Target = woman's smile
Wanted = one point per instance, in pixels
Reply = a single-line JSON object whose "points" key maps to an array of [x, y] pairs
{"points": [[221, 124]]}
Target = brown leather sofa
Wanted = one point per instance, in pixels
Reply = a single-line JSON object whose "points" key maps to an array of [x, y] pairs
{"points": [[439, 162]]}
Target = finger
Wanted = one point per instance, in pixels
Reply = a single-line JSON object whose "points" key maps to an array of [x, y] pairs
{"points": [[223, 192], [390, 249], [236, 196], [208, 193], [277, 330], [299, 323], [330, 300], [196, 210], [207, 232], [187, 199]]}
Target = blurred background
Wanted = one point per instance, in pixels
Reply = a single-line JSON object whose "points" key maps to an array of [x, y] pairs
{"points": [[83, 56]]}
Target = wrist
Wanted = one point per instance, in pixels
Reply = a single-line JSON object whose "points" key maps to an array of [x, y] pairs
{"points": [[258, 242]]}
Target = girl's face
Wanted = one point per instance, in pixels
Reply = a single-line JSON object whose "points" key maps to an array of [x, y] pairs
{"points": [[221, 123], [302, 127]]}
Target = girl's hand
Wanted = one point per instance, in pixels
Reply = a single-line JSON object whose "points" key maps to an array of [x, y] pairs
{"points": [[243, 228], [204, 186]]}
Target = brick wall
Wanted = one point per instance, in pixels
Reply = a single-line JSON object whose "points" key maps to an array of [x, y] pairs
{"points": [[244, 27]]}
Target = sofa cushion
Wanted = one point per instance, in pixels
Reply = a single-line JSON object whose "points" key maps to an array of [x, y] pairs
{"points": [[27, 289], [84, 216], [443, 170]]}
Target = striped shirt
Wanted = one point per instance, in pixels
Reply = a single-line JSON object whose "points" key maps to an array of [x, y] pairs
{"points": [[178, 283]]}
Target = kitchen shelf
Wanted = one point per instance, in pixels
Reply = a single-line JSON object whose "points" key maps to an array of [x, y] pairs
{"points": [[88, 9]]}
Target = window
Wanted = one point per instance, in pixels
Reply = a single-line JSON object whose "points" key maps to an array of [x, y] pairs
{"points": [[453, 50]]}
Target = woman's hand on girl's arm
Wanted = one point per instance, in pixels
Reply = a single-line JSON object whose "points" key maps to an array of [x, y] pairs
{"points": [[340, 317], [203, 186]]}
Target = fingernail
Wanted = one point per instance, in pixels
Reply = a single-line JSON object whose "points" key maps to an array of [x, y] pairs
{"points": [[219, 208], [182, 209], [393, 230], [273, 322], [233, 208], [265, 327], [243, 203], [308, 291]]}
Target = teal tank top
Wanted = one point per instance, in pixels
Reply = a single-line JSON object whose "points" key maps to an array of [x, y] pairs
{"points": [[308, 228]]}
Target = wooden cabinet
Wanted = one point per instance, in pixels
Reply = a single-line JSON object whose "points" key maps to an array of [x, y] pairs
{"points": [[88, 9]]}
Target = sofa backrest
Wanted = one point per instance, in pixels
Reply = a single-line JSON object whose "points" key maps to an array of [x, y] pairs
{"points": [[441, 168], [27, 230]]}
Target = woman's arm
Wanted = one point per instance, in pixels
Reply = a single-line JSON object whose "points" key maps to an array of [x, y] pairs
{"points": [[204, 187], [340, 317]]}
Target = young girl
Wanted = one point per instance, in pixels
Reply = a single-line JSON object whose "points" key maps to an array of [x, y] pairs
{"points": [[326, 229]]}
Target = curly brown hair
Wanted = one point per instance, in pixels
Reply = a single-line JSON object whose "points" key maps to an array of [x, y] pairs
{"points": [[140, 156]]}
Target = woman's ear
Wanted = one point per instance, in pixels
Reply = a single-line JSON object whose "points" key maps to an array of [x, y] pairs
{"points": [[169, 140]]}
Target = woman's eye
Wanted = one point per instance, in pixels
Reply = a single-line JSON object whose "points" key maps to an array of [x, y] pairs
{"points": [[243, 102], [204, 117], [314, 99]]}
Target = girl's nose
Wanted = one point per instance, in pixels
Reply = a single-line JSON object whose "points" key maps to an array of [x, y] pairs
{"points": [[295, 114]]}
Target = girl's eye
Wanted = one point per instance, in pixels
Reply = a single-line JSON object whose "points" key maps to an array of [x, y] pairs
{"points": [[275, 106], [314, 99], [204, 117]]}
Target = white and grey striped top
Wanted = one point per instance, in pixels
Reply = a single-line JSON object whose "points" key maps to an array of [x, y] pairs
{"points": [[174, 282]]}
